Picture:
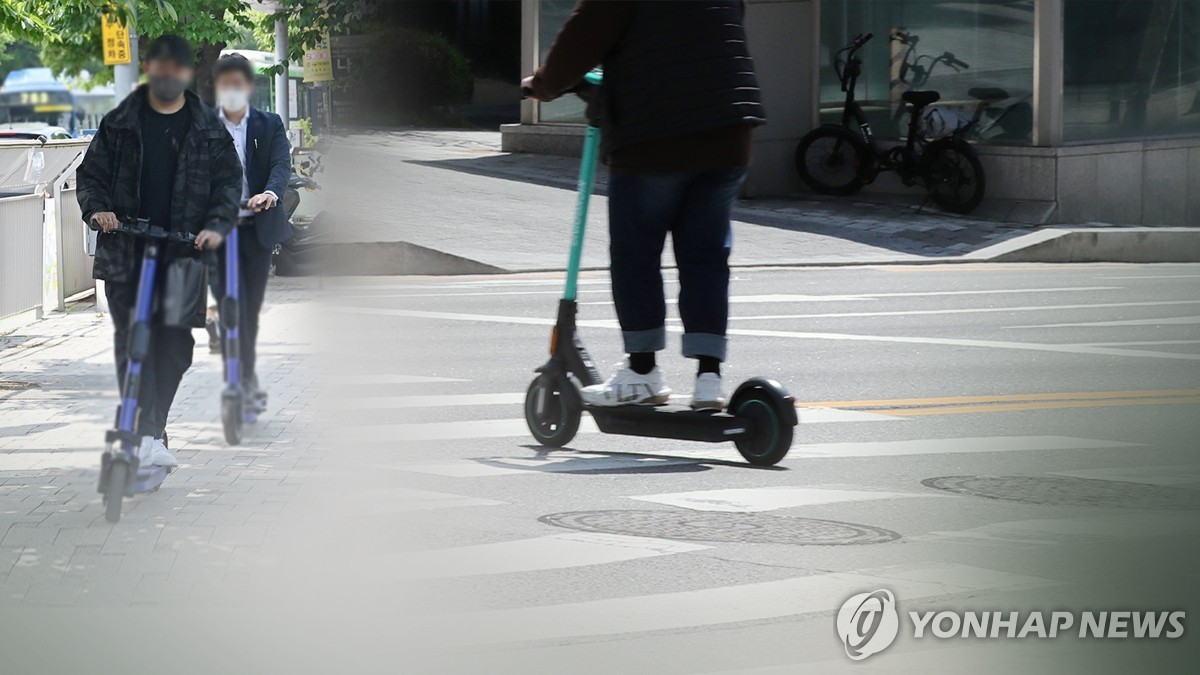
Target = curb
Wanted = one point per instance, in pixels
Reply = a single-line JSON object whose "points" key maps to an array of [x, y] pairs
{"points": [[1049, 245]]}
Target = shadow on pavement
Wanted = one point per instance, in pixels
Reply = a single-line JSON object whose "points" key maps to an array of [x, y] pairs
{"points": [[896, 223]]}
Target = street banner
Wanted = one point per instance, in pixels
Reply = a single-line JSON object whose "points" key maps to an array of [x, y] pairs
{"points": [[115, 37], [318, 62]]}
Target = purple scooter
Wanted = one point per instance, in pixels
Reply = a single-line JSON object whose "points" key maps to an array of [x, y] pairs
{"points": [[237, 409], [120, 473]]}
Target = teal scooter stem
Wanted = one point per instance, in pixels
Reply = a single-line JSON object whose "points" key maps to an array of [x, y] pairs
{"points": [[587, 181], [761, 413]]}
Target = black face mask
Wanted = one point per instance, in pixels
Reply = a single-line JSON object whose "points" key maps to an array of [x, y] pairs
{"points": [[166, 88]]}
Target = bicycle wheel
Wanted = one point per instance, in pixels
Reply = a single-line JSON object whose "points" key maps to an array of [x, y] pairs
{"points": [[954, 176], [832, 160]]}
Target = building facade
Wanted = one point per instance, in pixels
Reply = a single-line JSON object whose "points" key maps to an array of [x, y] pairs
{"points": [[1097, 119]]}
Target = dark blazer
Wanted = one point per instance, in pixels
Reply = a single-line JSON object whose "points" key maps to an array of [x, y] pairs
{"points": [[268, 167]]}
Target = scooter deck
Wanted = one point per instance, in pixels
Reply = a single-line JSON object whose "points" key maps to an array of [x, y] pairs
{"points": [[670, 421], [148, 479]]}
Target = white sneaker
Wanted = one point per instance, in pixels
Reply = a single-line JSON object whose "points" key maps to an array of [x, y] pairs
{"points": [[708, 394], [153, 452], [627, 387]]}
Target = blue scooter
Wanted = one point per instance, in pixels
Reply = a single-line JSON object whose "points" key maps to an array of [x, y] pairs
{"points": [[120, 473], [237, 408]]}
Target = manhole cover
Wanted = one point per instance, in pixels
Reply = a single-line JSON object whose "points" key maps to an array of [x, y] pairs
{"points": [[749, 528], [1067, 491]]}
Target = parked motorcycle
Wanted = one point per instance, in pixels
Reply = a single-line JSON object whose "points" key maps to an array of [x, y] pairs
{"points": [[298, 255]]}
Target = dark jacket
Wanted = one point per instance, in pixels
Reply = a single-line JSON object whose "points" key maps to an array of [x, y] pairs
{"points": [[268, 167], [679, 89], [208, 180], [679, 68]]}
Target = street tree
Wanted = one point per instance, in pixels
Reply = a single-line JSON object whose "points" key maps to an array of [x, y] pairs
{"points": [[69, 30]]}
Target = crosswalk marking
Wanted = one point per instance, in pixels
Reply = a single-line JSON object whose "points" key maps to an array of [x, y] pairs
{"points": [[931, 446], [1167, 321], [1052, 531], [961, 310], [798, 297], [370, 378], [557, 551], [563, 463], [743, 500], [427, 401], [403, 500], [816, 594], [801, 335], [503, 428], [1152, 475], [814, 414]]}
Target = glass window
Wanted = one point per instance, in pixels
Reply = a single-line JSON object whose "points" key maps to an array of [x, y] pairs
{"points": [[1131, 68], [553, 14], [977, 55]]}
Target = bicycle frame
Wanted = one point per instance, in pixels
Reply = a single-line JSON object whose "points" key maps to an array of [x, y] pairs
{"points": [[852, 113]]}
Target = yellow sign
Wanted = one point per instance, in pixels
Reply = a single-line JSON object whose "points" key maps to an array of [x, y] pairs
{"points": [[115, 37], [318, 62]]}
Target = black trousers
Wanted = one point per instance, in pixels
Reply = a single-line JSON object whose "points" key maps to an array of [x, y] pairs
{"points": [[168, 358], [254, 263]]}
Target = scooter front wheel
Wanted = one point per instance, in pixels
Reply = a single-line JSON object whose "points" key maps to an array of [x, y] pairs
{"points": [[114, 492], [552, 410], [233, 417], [772, 436]]}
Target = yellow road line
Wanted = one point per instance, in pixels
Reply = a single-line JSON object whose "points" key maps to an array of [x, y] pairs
{"points": [[999, 398], [1047, 405]]}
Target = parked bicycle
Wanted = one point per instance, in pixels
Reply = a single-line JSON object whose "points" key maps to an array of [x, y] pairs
{"points": [[839, 159]]}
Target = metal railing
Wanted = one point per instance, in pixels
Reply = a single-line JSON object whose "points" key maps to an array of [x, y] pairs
{"points": [[20, 254], [76, 263], [42, 256]]}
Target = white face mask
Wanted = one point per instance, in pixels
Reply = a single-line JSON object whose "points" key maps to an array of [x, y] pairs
{"points": [[233, 100]]}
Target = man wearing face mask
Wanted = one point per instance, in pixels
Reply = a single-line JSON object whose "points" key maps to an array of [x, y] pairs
{"points": [[164, 155], [263, 148]]}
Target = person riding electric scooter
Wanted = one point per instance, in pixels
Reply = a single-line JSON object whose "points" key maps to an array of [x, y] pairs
{"points": [[679, 174], [163, 156], [677, 149], [265, 155]]}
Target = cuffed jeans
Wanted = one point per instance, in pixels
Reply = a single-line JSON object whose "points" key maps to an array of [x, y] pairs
{"points": [[695, 207]]}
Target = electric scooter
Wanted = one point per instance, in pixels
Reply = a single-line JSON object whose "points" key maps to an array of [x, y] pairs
{"points": [[760, 416], [120, 473], [237, 408]]}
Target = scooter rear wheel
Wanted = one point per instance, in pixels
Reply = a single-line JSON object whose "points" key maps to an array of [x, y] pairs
{"points": [[114, 492], [772, 437], [552, 411], [233, 417]]}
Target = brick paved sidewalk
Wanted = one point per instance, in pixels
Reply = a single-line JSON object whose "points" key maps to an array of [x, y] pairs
{"points": [[210, 520]]}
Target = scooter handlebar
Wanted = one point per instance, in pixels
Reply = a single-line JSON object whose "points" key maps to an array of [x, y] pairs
{"points": [[140, 227], [583, 89]]}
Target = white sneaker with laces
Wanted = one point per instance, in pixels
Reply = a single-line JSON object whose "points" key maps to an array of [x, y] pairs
{"points": [[152, 451], [628, 387], [708, 394]]}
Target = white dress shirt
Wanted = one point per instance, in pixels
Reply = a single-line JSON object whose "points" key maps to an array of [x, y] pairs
{"points": [[238, 131]]}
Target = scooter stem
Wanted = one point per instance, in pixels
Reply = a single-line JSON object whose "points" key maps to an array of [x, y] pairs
{"points": [[587, 176]]}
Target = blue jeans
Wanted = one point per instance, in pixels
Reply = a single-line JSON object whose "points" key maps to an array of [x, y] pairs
{"points": [[694, 206]]}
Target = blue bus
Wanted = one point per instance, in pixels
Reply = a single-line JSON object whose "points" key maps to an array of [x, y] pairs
{"points": [[32, 98]]}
